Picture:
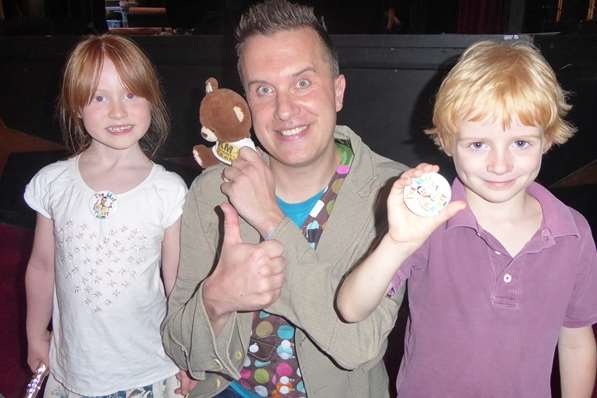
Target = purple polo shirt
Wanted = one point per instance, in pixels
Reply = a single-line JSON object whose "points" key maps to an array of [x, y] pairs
{"points": [[483, 324]]}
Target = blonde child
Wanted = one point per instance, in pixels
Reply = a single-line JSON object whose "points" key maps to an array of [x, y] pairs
{"points": [[108, 222], [506, 272]]}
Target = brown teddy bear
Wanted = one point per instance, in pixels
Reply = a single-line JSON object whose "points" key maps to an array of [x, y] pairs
{"points": [[226, 120]]}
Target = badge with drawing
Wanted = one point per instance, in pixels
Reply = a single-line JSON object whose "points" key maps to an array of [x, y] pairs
{"points": [[427, 194], [103, 204]]}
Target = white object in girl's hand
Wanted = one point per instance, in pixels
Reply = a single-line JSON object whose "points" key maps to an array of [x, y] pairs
{"points": [[427, 194]]}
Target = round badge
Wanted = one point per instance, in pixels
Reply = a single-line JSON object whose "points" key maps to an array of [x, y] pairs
{"points": [[102, 204], [427, 194], [226, 152]]}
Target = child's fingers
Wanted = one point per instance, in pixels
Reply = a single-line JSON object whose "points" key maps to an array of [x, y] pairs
{"points": [[400, 183], [451, 210], [396, 197], [423, 168], [407, 175]]}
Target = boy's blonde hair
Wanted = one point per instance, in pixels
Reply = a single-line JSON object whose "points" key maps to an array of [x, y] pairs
{"points": [[501, 81], [81, 77]]}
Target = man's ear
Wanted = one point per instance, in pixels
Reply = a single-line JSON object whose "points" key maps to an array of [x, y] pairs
{"points": [[339, 87]]}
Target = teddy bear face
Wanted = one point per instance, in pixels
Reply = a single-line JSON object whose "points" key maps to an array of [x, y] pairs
{"points": [[224, 116]]}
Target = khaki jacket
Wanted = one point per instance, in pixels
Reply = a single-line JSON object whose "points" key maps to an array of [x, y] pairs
{"points": [[337, 359]]}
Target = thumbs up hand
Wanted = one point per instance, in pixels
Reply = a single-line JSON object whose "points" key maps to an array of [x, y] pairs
{"points": [[248, 276], [231, 225]]}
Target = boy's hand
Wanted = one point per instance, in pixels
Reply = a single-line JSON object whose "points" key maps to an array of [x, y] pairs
{"points": [[187, 383], [38, 351], [405, 227]]}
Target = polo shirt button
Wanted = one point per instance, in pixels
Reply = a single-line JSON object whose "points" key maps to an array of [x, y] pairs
{"points": [[507, 278], [238, 355], [497, 252], [218, 382]]}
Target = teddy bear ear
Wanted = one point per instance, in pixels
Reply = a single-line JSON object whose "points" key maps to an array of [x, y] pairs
{"points": [[211, 85], [240, 115]]}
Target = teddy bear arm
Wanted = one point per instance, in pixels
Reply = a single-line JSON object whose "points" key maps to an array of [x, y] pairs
{"points": [[204, 156]]}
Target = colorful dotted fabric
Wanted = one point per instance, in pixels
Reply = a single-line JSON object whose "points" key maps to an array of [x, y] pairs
{"points": [[271, 368]]}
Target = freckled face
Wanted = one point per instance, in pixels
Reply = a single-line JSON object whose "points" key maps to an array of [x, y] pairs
{"points": [[293, 96]]}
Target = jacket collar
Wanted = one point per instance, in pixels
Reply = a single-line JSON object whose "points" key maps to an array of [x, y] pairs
{"points": [[352, 204], [362, 170]]}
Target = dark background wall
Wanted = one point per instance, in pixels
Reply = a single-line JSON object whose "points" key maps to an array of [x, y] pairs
{"points": [[391, 83]]}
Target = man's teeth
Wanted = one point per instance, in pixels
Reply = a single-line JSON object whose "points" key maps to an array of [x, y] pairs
{"points": [[120, 129], [293, 131]]}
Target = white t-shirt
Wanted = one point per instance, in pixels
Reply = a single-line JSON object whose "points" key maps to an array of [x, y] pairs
{"points": [[109, 298]]}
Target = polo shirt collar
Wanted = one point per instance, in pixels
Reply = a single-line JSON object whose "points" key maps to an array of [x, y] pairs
{"points": [[465, 217], [557, 217]]}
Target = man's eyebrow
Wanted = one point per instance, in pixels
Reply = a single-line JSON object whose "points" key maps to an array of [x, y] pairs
{"points": [[307, 69], [295, 74], [250, 83]]}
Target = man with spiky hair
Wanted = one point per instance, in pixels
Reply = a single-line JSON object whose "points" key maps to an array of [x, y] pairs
{"points": [[252, 312]]}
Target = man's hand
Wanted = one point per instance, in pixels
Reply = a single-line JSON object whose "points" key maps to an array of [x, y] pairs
{"points": [[249, 185], [38, 350], [248, 277], [405, 227], [186, 383]]}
